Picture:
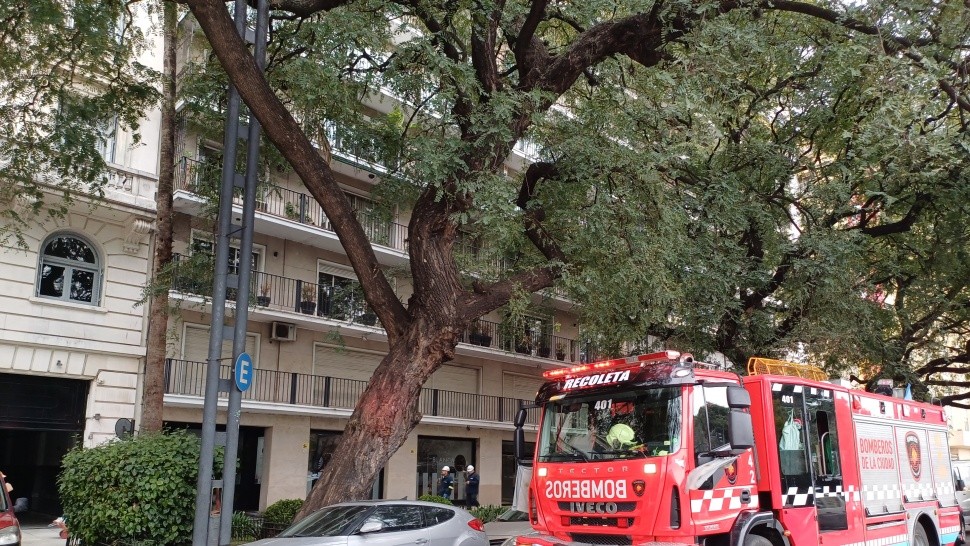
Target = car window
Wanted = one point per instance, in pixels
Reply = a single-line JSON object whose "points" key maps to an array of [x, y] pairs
{"points": [[513, 515], [397, 517], [434, 515], [327, 522]]}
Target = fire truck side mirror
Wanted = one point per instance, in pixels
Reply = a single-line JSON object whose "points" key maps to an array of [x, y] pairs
{"points": [[740, 431], [519, 439], [738, 397]]}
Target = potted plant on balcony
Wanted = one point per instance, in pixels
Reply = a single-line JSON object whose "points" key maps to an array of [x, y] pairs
{"points": [[560, 350], [543, 350], [291, 212], [308, 301], [477, 336], [263, 298], [524, 344]]}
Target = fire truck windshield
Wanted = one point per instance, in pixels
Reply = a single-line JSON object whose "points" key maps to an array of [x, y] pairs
{"points": [[617, 425]]}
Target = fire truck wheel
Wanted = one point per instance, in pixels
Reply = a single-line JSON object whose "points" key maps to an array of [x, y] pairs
{"points": [[757, 540], [919, 536]]}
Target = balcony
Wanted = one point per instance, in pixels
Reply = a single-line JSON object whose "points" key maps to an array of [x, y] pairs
{"points": [[187, 378], [301, 299], [285, 213]]}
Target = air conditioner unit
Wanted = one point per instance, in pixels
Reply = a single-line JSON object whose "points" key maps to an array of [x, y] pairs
{"points": [[283, 331]]}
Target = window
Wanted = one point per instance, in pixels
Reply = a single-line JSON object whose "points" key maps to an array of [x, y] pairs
{"points": [[107, 139], [710, 418], [434, 515], [206, 246], [69, 270], [403, 517]]}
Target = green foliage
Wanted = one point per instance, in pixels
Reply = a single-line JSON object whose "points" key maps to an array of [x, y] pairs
{"points": [[140, 488], [283, 511], [488, 513], [244, 527], [756, 184], [435, 498], [52, 123]]}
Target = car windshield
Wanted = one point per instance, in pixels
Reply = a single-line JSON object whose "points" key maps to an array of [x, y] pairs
{"points": [[644, 423], [326, 522]]}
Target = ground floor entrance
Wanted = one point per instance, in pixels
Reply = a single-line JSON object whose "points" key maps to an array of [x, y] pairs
{"points": [[41, 419], [250, 470]]}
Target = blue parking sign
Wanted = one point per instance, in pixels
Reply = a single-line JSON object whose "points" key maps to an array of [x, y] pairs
{"points": [[244, 372]]}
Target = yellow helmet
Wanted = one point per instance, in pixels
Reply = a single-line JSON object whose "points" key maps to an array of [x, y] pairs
{"points": [[620, 436]]}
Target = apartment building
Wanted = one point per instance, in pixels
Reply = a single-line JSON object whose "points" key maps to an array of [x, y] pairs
{"points": [[72, 332]]}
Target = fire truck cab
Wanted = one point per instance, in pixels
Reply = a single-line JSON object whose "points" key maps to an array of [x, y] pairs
{"points": [[660, 449]]}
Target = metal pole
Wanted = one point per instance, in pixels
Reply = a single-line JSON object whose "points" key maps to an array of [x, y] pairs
{"points": [[242, 302], [203, 496]]}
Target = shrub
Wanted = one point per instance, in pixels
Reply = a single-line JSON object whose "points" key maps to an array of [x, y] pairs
{"points": [[487, 513], [435, 498], [244, 527], [282, 512], [140, 488]]}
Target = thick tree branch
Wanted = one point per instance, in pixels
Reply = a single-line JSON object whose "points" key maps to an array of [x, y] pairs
{"points": [[284, 132], [534, 213]]}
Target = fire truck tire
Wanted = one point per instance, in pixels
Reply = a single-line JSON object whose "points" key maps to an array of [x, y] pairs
{"points": [[919, 536], [757, 540]]}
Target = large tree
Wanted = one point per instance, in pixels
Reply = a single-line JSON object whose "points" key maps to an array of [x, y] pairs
{"points": [[730, 177]]}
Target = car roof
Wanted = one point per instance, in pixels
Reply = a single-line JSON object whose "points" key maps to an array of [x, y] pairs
{"points": [[381, 502]]}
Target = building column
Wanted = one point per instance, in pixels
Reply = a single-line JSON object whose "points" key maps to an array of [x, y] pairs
{"points": [[285, 452]]}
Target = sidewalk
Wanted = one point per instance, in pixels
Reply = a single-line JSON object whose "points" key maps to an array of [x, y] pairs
{"points": [[41, 535]]}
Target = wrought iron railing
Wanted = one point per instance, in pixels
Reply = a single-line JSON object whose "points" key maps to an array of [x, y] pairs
{"points": [[188, 378], [203, 178], [193, 275]]}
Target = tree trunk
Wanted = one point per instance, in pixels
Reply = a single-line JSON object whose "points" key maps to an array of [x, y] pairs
{"points": [[154, 391], [385, 415]]}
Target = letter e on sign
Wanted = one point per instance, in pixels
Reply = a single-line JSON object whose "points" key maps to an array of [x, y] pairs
{"points": [[244, 372]]}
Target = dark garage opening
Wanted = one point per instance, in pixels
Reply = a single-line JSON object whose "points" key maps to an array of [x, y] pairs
{"points": [[41, 419]]}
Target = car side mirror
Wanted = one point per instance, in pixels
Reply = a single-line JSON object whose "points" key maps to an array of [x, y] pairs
{"points": [[371, 526]]}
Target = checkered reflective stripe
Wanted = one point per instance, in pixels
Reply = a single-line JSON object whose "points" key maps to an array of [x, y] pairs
{"points": [[947, 530], [886, 541], [916, 492], [796, 496], [849, 493], [716, 500], [784, 387], [881, 492], [946, 489]]}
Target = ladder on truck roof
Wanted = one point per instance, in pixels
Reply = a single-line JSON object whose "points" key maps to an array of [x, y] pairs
{"points": [[760, 366]]}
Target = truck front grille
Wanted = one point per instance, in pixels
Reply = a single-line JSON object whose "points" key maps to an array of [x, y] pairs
{"points": [[605, 540]]}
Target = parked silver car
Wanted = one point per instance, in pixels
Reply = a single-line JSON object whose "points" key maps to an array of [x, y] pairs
{"points": [[961, 482], [384, 523], [510, 524]]}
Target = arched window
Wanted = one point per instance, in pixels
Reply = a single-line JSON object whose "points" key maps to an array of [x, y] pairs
{"points": [[69, 270]]}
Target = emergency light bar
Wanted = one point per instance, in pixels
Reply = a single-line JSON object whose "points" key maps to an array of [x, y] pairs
{"points": [[618, 363]]}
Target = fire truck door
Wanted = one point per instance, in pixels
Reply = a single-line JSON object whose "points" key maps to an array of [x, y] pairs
{"points": [[823, 445], [810, 469]]}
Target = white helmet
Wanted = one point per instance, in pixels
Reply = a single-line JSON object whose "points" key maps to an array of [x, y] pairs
{"points": [[446, 469], [470, 468]]}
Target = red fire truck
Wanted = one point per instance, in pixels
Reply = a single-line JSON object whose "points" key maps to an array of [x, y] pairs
{"points": [[661, 449]]}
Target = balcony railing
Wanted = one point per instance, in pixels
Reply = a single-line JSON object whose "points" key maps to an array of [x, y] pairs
{"points": [[188, 378], [193, 275], [203, 178]]}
